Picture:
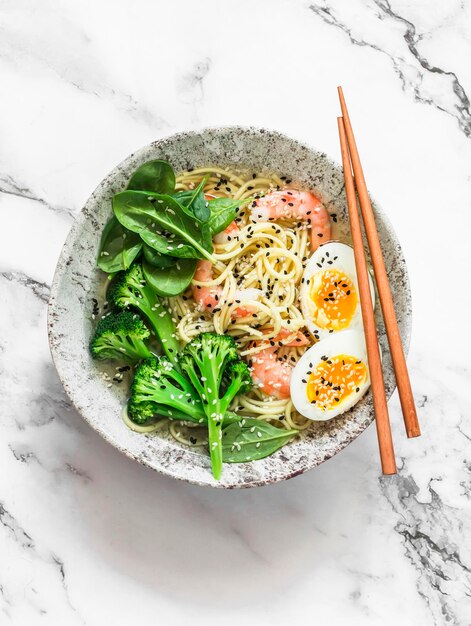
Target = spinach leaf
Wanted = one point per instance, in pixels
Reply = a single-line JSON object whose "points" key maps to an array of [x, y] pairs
{"points": [[157, 259], [195, 201], [163, 224], [156, 176], [169, 281], [199, 205], [223, 212], [184, 197], [118, 247], [252, 439]]}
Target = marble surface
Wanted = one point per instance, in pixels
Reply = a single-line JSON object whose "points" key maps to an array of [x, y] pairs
{"points": [[86, 535]]}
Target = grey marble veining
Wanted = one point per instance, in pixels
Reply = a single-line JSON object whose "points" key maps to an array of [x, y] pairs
{"points": [[87, 535], [427, 83]]}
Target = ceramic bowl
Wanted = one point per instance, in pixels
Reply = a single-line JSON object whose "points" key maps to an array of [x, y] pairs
{"points": [[77, 281]]}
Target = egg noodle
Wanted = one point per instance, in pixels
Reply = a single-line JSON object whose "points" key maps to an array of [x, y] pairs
{"points": [[267, 256]]}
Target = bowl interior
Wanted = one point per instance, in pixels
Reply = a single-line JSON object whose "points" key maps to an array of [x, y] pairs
{"points": [[77, 282]]}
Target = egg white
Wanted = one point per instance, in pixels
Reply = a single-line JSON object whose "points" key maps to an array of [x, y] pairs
{"points": [[331, 256], [348, 342]]}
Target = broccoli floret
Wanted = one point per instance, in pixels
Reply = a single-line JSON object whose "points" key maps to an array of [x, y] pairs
{"points": [[158, 388], [237, 379], [218, 374], [131, 290], [141, 412], [120, 336]]}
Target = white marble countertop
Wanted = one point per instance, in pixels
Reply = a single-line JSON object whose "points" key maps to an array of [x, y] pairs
{"points": [[88, 536]]}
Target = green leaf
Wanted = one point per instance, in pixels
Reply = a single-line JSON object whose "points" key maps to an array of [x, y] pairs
{"points": [[163, 224], [195, 201], [184, 197], [252, 439], [156, 176], [118, 247], [199, 205], [223, 212], [157, 259], [169, 281], [230, 418]]}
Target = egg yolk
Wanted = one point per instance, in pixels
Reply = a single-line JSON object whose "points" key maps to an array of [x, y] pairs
{"points": [[334, 380], [335, 299]]}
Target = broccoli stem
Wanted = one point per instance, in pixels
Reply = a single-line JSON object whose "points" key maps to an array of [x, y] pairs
{"points": [[231, 393], [161, 321], [140, 350], [217, 408], [192, 413], [215, 414], [213, 407]]}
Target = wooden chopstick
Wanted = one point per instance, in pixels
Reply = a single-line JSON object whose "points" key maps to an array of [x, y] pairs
{"points": [[383, 427], [389, 315]]}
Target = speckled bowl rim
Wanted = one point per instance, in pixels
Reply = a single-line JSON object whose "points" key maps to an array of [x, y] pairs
{"points": [[71, 237]]}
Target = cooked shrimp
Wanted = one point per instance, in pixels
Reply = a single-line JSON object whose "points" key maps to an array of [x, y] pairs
{"points": [[299, 340], [293, 204], [210, 297], [272, 374], [226, 235]]}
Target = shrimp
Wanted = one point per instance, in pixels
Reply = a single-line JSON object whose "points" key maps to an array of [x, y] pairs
{"points": [[299, 340], [271, 374], [294, 204], [210, 297], [226, 235]]}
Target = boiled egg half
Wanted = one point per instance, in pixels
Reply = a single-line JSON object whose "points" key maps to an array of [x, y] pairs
{"points": [[331, 376], [329, 291]]}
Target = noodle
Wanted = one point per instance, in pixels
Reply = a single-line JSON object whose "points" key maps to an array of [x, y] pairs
{"points": [[266, 256]]}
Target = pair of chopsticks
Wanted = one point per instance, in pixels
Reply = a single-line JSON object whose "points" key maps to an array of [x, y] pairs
{"points": [[351, 159]]}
